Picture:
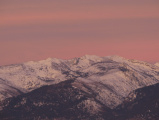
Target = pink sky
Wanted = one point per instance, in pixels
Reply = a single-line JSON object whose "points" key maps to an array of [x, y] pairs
{"points": [[38, 29]]}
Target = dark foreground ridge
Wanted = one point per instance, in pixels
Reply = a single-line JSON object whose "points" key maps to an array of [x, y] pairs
{"points": [[142, 104], [61, 101], [64, 101]]}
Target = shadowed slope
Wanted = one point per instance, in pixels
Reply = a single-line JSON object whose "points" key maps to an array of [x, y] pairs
{"points": [[60, 101]]}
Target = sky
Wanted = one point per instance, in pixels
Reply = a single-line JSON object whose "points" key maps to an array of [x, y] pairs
{"points": [[39, 29]]}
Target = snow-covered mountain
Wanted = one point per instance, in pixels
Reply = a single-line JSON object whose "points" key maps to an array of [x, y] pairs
{"points": [[109, 78], [157, 64], [63, 101]]}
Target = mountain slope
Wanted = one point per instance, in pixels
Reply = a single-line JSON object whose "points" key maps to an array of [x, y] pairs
{"points": [[60, 101], [157, 64], [63, 101], [141, 104], [110, 78]]}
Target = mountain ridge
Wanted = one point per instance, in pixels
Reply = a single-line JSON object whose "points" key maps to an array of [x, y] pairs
{"points": [[63, 101], [116, 76]]}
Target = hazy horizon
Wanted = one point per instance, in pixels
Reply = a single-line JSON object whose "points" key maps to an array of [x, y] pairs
{"points": [[35, 30]]}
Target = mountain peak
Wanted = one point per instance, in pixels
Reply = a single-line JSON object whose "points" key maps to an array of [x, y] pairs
{"points": [[92, 57], [117, 58]]}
